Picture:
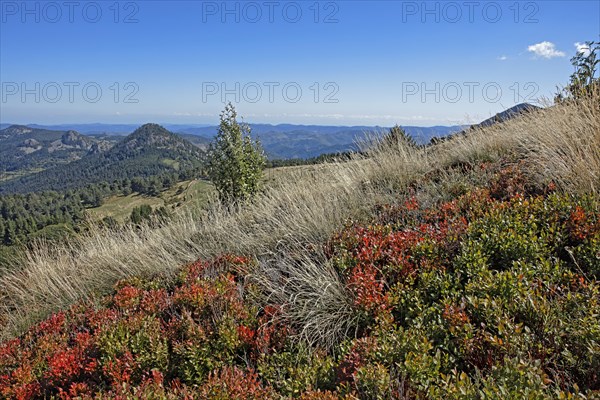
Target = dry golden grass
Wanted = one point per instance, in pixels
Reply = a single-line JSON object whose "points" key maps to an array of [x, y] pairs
{"points": [[307, 208], [567, 151], [313, 296], [560, 143]]}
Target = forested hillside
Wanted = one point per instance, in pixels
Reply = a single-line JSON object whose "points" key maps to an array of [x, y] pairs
{"points": [[23, 149], [149, 151]]}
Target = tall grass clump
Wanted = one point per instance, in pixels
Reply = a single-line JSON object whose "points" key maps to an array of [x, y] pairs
{"points": [[567, 150], [313, 296]]}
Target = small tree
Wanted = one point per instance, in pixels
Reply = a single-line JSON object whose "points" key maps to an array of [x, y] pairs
{"points": [[584, 80], [398, 135], [235, 161], [140, 214]]}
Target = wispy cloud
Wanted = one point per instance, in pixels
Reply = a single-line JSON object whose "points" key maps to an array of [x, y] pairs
{"points": [[502, 58], [545, 50]]}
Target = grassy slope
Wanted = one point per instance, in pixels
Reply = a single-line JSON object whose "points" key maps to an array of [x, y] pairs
{"points": [[284, 228], [181, 194], [186, 193], [473, 295]]}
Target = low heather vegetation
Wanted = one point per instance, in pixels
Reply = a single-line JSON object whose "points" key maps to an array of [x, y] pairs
{"points": [[494, 293]]}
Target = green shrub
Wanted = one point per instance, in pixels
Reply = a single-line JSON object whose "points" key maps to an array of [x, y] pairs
{"points": [[235, 161]]}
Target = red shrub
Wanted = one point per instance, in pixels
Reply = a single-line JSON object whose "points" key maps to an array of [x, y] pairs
{"points": [[271, 334], [120, 370], [455, 316], [581, 226], [356, 358], [508, 182], [20, 384], [155, 301], [247, 335], [76, 391], [234, 383], [128, 298], [52, 326], [368, 289]]}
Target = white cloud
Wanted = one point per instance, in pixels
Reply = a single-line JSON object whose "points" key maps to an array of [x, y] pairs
{"points": [[502, 58], [582, 48], [545, 50]]}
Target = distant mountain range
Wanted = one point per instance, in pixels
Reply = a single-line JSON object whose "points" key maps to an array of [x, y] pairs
{"points": [[282, 141], [149, 151], [98, 129], [287, 141], [25, 148], [44, 146], [35, 158]]}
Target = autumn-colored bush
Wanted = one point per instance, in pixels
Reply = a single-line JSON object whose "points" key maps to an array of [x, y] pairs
{"points": [[197, 332], [472, 285]]}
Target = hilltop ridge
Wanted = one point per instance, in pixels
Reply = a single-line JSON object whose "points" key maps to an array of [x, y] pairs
{"points": [[25, 148], [149, 150]]}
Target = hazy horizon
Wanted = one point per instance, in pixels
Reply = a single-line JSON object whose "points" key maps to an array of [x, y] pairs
{"points": [[199, 125]]}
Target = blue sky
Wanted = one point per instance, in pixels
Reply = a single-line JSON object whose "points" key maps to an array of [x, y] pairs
{"points": [[306, 62]]}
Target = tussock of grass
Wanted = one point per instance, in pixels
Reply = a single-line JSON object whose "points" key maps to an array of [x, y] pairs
{"points": [[314, 297], [560, 144]]}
